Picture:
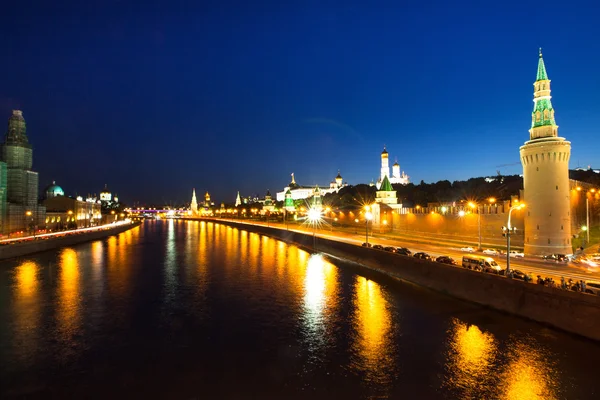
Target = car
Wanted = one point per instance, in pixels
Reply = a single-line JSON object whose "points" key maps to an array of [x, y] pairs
{"points": [[556, 257], [516, 274], [390, 249], [367, 245], [514, 253], [592, 287], [422, 256], [446, 260], [468, 249], [378, 247], [403, 251], [491, 252]]}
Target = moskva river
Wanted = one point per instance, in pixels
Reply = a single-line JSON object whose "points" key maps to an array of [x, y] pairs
{"points": [[195, 310]]}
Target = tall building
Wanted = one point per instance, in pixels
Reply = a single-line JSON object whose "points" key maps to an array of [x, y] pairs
{"points": [[238, 199], [194, 204], [21, 211], [545, 160], [396, 177]]}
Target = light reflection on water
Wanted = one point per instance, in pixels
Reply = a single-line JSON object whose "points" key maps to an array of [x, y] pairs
{"points": [[199, 302]]}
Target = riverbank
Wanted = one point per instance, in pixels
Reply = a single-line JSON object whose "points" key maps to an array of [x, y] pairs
{"points": [[35, 246], [573, 312]]}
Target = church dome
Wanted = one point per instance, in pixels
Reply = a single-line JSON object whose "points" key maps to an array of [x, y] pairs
{"points": [[54, 190], [396, 164], [384, 151]]}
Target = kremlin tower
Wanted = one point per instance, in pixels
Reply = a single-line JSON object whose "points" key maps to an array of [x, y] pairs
{"points": [[545, 159]]}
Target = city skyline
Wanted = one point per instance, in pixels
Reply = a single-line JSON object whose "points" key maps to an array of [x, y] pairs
{"points": [[207, 100]]}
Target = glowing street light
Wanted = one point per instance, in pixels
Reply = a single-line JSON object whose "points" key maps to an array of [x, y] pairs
{"points": [[368, 217], [314, 216], [509, 228]]}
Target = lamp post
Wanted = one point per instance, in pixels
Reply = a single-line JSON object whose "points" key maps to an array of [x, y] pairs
{"points": [[28, 214], [368, 217], [314, 215], [508, 231]]}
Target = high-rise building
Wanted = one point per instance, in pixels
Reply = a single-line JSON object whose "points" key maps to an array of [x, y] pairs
{"points": [[545, 160], [22, 211]]}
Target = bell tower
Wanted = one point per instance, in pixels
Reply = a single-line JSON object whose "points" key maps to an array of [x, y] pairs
{"points": [[545, 159]]}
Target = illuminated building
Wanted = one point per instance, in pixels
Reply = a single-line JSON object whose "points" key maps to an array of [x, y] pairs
{"points": [[105, 194], [289, 201], [268, 204], [545, 160], [303, 192], [396, 177], [238, 200], [18, 183], [63, 212], [194, 203], [385, 201]]}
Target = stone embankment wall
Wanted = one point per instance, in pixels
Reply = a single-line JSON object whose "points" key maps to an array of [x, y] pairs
{"points": [[25, 248], [570, 311]]}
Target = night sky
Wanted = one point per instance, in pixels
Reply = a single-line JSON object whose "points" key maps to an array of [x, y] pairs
{"points": [[159, 97]]}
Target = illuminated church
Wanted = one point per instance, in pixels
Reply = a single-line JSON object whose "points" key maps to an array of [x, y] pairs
{"points": [[297, 192], [396, 177]]}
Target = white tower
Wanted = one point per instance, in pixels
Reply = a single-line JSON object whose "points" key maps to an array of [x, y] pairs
{"points": [[238, 200], [385, 165], [545, 159], [396, 171]]}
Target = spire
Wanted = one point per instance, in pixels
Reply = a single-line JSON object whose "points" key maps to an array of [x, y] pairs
{"points": [[542, 118], [238, 200], [386, 186], [541, 70]]}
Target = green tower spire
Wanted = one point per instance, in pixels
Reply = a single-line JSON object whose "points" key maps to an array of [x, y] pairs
{"points": [[386, 186], [541, 71], [543, 112]]}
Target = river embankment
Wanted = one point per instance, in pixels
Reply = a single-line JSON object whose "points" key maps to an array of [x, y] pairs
{"points": [[38, 245], [570, 311]]}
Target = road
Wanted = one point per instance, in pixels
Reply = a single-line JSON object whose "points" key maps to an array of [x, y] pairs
{"points": [[530, 265]]}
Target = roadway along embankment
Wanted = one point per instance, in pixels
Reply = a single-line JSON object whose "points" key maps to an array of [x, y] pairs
{"points": [[39, 245], [573, 312]]}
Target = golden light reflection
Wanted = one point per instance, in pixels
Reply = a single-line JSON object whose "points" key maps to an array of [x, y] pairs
{"points": [[320, 290], [529, 374], [373, 324], [27, 308], [26, 280], [68, 293], [471, 359]]}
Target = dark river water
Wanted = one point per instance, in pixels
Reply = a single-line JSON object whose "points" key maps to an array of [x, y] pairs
{"points": [[194, 310]]}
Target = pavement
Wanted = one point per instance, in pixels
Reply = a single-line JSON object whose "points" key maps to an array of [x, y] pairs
{"points": [[437, 245]]}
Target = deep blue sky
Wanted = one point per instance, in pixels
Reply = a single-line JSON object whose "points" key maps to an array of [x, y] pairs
{"points": [[156, 98]]}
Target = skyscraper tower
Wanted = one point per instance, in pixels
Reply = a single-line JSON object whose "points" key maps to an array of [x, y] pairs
{"points": [[194, 204], [22, 209], [545, 159], [385, 164]]}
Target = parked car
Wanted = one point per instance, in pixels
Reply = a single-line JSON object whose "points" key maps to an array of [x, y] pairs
{"points": [[404, 251], [491, 252], [514, 253], [422, 256], [446, 260], [378, 247], [390, 249], [592, 287], [516, 274], [367, 245], [556, 257], [468, 249]]}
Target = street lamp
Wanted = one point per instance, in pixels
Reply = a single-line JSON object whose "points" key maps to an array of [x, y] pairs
{"points": [[478, 206], [314, 215], [28, 213], [368, 217], [508, 231]]}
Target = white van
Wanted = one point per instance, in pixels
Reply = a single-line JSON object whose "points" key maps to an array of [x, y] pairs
{"points": [[481, 263]]}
